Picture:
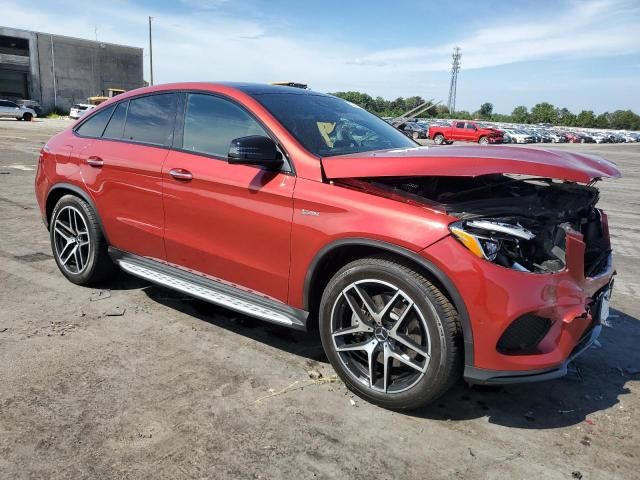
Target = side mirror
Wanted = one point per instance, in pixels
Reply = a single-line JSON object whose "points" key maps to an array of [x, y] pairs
{"points": [[254, 150]]}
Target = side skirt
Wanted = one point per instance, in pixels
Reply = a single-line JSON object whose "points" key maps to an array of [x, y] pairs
{"points": [[209, 290]]}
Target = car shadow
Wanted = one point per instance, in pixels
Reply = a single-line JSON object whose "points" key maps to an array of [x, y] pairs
{"points": [[303, 344], [595, 382], [121, 281]]}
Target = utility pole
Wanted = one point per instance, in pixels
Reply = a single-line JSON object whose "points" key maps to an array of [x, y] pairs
{"points": [[150, 53], [455, 68]]}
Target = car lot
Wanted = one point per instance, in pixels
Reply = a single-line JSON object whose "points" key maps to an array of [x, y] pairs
{"points": [[128, 380]]}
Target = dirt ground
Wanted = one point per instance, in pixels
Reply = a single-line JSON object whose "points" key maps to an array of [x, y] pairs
{"points": [[130, 380]]}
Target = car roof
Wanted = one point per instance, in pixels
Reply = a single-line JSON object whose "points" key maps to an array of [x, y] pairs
{"points": [[250, 89], [262, 88]]}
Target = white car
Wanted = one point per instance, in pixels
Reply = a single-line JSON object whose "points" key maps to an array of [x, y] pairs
{"points": [[13, 110], [518, 136], [79, 109]]}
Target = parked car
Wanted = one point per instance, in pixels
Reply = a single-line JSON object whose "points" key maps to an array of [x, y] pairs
{"points": [[518, 136], [414, 130], [79, 109], [32, 104], [9, 109], [462, 130], [417, 264], [573, 137]]}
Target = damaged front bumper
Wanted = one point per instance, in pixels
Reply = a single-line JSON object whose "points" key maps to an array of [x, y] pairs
{"points": [[495, 297]]}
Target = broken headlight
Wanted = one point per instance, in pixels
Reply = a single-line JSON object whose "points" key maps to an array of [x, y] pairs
{"points": [[492, 240]]}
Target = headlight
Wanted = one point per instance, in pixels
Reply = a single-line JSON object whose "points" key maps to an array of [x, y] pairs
{"points": [[484, 238], [480, 246]]}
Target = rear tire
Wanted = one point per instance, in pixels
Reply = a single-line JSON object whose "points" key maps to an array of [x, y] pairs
{"points": [[407, 352], [438, 139], [77, 242]]}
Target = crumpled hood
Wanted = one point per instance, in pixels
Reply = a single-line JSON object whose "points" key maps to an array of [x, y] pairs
{"points": [[472, 161]]}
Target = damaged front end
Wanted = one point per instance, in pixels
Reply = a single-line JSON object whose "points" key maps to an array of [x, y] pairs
{"points": [[517, 222]]}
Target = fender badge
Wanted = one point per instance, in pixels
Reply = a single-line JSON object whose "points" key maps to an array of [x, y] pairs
{"points": [[312, 213]]}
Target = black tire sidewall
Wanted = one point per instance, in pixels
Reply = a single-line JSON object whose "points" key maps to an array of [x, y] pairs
{"points": [[85, 209], [422, 392], [27, 117]]}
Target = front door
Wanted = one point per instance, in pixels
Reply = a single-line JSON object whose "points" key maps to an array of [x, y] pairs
{"points": [[231, 222]]}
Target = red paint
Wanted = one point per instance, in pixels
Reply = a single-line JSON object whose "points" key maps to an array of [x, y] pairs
{"points": [[466, 131], [246, 226], [471, 162]]}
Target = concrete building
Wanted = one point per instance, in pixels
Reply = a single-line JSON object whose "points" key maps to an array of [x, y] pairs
{"points": [[58, 71]]}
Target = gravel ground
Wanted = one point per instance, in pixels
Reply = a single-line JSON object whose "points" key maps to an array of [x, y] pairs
{"points": [[129, 380]]}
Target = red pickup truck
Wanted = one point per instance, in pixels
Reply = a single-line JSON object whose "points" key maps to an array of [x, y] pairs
{"points": [[464, 131]]}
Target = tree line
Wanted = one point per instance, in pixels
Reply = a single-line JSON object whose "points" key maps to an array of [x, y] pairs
{"points": [[543, 112]]}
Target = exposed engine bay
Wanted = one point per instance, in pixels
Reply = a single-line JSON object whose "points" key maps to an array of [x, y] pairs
{"points": [[514, 221]]}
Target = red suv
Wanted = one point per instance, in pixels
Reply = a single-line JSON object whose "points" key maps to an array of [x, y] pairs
{"points": [[418, 265]]}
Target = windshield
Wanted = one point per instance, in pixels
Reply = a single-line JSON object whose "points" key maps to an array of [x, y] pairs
{"points": [[328, 126]]}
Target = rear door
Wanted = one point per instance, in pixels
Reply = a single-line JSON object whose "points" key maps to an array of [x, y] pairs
{"points": [[458, 131], [232, 222], [123, 170]]}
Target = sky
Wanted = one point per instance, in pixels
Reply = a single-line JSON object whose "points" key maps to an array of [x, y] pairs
{"points": [[578, 54]]}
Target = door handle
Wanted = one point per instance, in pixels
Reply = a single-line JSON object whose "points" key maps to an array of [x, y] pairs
{"points": [[95, 162], [181, 174]]}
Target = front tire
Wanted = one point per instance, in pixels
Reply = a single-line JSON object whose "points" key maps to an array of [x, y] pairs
{"points": [[391, 335], [27, 117], [77, 242], [483, 141]]}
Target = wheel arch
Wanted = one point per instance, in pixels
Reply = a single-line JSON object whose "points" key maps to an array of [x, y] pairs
{"points": [[338, 253], [58, 191]]}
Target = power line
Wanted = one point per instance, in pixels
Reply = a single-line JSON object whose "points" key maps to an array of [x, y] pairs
{"points": [[455, 68]]}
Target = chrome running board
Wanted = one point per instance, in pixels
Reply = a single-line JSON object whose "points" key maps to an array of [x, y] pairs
{"points": [[211, 291]]}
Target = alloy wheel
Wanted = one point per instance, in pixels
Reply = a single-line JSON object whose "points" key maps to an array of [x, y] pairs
{"points": [[380, 336], [71, 240]]}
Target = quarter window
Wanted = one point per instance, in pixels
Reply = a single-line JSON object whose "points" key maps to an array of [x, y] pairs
{"points": [[211, 123], [115, 127], [150, 119], [94, 126]]}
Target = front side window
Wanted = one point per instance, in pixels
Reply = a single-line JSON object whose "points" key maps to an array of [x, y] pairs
{"points": [[211, 123], [328, 126], [94, 125], [471, 126], [150, 119]]}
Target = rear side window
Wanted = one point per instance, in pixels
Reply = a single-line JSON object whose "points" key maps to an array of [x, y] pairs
{"points": [[150, 119], [115, 128], [211, 123], [460, 125], [94, 126]]}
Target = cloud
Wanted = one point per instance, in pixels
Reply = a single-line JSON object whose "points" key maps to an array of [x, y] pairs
{"points": [[214, 40], [585, 29]]}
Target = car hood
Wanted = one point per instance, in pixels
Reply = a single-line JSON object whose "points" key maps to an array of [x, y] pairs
{"points": [[470, 162]]}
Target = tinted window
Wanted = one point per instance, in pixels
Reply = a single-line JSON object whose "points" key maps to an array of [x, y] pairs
{"points": [[116, 124], [94, 126], [460, 125], [150, 119], [211, 123], [471, 126], [329, 126]]}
